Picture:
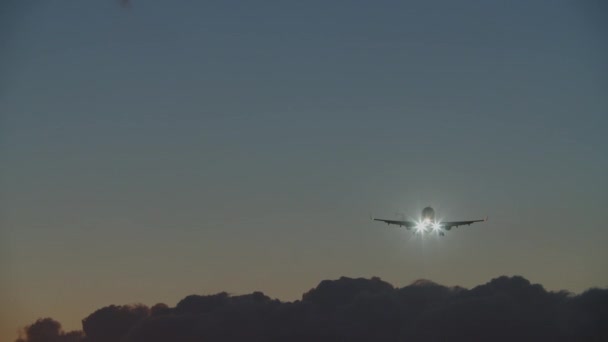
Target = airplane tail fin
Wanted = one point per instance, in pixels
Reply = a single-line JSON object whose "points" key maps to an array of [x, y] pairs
{"points": [[486, 219]]}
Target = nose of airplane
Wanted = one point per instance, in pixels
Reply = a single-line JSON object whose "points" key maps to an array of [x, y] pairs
{"points": [[428, 213]]}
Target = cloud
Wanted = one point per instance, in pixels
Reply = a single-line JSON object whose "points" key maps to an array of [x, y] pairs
{"points": [[49, 330], [112, 323], [504, 309]]}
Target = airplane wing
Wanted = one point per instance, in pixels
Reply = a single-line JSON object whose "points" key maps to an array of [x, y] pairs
{"points": [[406, 224], [449, 225]]}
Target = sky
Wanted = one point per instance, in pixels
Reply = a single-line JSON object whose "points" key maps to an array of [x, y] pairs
{"points": [[158, 150]]}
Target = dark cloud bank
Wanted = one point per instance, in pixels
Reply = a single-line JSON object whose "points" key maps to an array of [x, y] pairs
{"points": [[504, 309]]}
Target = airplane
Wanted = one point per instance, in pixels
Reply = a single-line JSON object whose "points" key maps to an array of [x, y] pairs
{"points": [[428, 223]]}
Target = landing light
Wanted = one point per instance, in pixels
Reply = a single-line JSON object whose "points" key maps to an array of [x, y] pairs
{"points": [[420, 227]]}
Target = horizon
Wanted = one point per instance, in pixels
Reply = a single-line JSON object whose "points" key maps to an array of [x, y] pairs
{"points": [[509, 302]]}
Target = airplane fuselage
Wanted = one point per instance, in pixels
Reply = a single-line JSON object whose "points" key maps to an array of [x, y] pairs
{"points": [[428, 215]]}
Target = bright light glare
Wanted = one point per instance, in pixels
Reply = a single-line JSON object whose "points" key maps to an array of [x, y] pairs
{"points": [[420, 227], [424, 225]]}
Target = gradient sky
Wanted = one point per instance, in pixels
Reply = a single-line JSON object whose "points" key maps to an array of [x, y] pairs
{"points": [[161, 150]]}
